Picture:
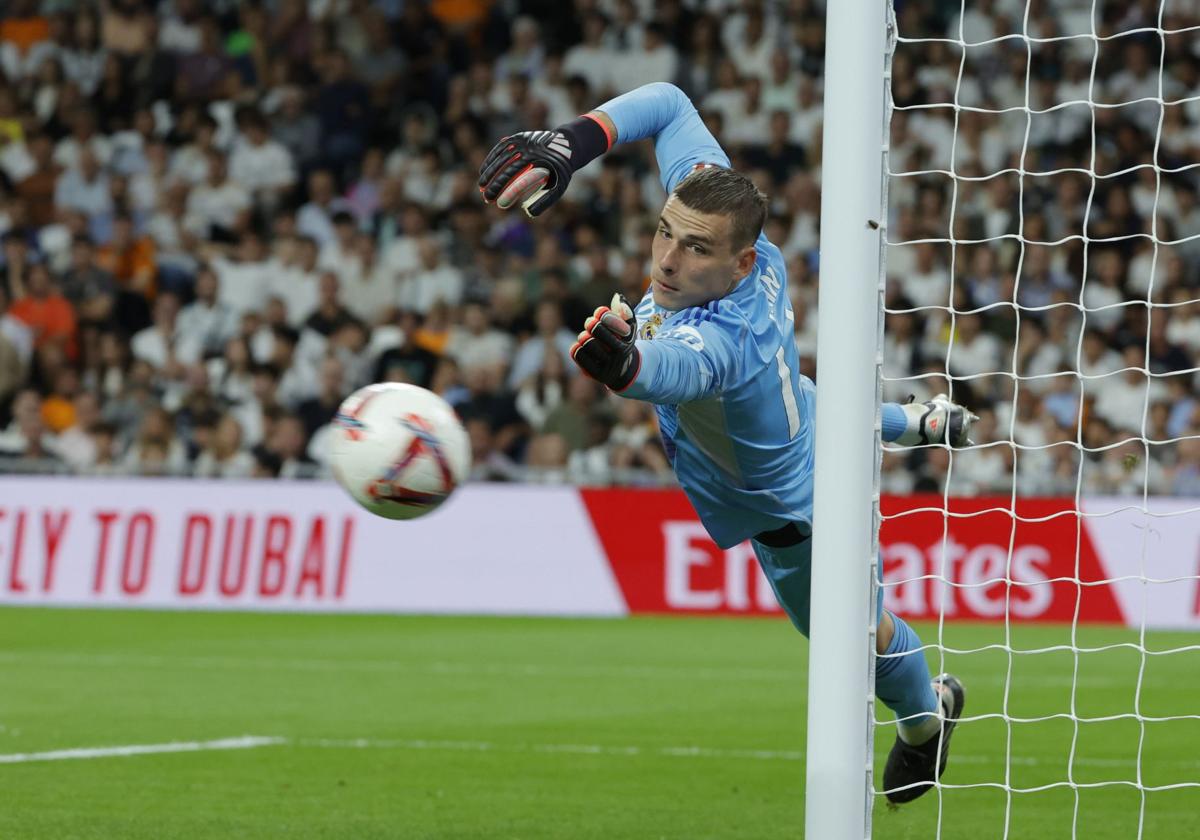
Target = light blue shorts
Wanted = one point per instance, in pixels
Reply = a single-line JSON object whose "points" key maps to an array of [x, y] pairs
{"points": [[789, 571]]}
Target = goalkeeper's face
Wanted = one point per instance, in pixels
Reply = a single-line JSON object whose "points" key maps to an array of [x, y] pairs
{"points": [[695, 259]]}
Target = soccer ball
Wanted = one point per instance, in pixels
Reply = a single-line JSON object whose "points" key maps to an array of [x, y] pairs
{"points": [[398, 450]]}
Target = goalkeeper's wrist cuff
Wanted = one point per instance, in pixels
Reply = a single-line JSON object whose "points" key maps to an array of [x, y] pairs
{"points": [[589, 139]]}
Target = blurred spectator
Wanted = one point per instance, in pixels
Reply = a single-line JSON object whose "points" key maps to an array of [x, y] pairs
{"points": [[550, 337], [488, 402], [40, 305], [27, 436], [525, 56], [217, 208], [1121, 399], [542, 393], [433, 280], [329, 315], [339, 248], [1186, 478], [315, 219], [778, 154], [633, 442], [201, 70], [17, 335], [225, 457], [288, 442], [591, 59], [207, 321], [16, 349], [319, 410], [129, 259], [76, 443], [196, 133], [231, 374], [163, 345], [156, 449], [548, 455], [261, 165], [487, 463], [974, 352], [477, 342], [84, 187], [243, 282], [369, 287], [654, 61], [89, 288], [570, 418], [295, 280], [296, 129], [39, 184], [342, 106]]}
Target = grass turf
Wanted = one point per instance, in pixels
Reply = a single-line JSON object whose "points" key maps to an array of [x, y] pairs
{"points": [[541, 728]]}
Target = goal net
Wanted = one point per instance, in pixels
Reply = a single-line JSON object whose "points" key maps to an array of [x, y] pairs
{"points": [[1042, 266]]}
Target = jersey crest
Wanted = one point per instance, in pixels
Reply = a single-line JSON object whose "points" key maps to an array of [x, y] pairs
{"points": [[650, 325]]}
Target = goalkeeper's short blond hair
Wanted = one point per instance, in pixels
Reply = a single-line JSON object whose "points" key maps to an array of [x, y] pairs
{"points": [[715, 189]]}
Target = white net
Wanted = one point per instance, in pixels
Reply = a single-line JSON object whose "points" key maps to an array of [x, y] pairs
{"points": [[1042, 267]]}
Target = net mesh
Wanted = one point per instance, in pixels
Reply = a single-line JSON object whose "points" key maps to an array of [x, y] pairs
{"points": [[1041, 265]]}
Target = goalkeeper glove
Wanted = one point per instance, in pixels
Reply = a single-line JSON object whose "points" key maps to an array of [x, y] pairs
{"points": [[936, 421], [533, 168], [606, 350]]}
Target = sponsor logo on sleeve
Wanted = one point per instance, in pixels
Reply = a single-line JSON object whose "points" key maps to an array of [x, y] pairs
{"points": [[689, 336]]}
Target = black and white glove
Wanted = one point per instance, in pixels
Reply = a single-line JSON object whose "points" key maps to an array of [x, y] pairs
{"points": [[534, 168], [936, 421], [606, 350]]}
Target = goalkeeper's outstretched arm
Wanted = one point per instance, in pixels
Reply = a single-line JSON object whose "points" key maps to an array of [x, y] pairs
{"points": [[533, 168]]}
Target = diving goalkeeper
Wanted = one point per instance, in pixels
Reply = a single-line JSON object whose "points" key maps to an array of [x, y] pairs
{"points": [[711, 345]]}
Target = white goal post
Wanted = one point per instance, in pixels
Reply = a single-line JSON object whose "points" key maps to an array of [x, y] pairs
{"points": [[838, 797], [1073, 239]]}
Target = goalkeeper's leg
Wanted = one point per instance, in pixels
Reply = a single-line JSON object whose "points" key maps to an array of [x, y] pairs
{"points": [[925, 709]]}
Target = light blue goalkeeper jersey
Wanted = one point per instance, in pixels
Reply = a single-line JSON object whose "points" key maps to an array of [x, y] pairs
{"points": [[736, 416]]}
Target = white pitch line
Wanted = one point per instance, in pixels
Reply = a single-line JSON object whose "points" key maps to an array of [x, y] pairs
{"points": [[683, 752], [245, 742], [573, 749]]}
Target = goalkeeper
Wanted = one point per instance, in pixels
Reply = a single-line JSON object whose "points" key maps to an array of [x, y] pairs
{"points": [[711, 345]]}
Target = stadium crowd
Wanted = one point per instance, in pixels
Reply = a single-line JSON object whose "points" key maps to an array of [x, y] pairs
{"points": [[221, 217]]}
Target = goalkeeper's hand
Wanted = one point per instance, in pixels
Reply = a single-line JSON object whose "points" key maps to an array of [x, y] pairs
{"points": [[606, 350], [936, 421], [532, 168]]}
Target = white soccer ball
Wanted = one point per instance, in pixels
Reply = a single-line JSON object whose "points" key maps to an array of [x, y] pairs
{"points": [[399, 450]]}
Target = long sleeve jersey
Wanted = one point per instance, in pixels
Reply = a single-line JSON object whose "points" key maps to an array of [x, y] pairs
{"points": [[736, 415]]}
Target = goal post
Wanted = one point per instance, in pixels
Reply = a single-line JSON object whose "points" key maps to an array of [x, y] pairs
{"points": [[839, 798], [1013, 189]]}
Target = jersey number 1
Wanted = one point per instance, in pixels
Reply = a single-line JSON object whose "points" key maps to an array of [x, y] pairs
{"points": [[789, 396]]}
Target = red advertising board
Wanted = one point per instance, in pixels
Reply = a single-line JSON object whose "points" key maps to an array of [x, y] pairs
{"points": [[983, 558], [536, 550]]}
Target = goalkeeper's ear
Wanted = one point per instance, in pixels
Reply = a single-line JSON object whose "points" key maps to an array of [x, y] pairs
{"points": [[747, 258]]}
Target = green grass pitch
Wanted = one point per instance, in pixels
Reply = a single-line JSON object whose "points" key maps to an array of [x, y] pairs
{"points": [[418, 727]]}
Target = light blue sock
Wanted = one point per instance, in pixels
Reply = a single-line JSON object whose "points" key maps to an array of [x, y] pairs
{"points": [[903, 682], [893, 420]]}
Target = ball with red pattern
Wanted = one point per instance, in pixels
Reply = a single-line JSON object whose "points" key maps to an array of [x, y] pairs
{"points": [[398, 450]]}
